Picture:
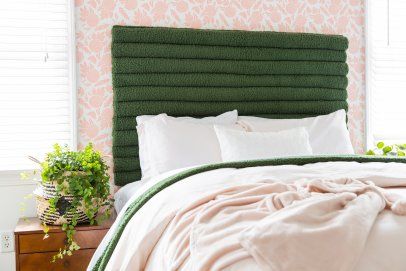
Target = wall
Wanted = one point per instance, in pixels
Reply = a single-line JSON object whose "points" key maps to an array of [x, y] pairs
{"points": [[12, 193], [95, 19]]}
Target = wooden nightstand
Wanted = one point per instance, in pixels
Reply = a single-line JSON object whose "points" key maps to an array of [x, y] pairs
{"points": [[35, 253]]}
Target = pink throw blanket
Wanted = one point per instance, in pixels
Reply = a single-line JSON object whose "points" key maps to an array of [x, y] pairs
{"points": [[313, 225]]}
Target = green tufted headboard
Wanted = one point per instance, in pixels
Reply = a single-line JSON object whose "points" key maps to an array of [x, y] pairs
{"points": [[198, 73]]}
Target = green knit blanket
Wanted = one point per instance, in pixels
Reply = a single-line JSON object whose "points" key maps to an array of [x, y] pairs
{"points": [[140, 201]]}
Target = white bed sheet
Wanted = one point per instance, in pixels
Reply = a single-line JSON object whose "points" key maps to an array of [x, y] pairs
{"points": [[124, 194]]}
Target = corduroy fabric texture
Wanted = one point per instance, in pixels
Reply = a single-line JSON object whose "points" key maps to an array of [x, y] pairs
{"points": [[139, 202], [198, 73]]}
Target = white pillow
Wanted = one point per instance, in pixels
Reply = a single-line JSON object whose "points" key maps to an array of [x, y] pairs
{"points": [[229, 117], [167, 143], [240, 145], [328, 134]]}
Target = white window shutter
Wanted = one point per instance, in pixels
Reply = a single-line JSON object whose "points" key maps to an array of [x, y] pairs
{"points": [[386, 71], [37, 101]]}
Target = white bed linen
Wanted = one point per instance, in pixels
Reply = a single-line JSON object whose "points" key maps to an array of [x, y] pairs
{"points": [[154, 141], [129, 191], [124, 194], [241, 145], [328, 134], [140, 240]]}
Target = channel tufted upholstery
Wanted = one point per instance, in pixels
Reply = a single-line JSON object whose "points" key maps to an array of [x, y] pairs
{"points": [[190, 72]]}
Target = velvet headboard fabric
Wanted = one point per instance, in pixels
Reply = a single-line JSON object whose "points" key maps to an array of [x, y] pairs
{"points": [[191, 72]]}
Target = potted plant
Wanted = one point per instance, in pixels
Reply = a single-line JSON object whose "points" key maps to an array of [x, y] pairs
{"points": [[388, 150], [75, 186]]}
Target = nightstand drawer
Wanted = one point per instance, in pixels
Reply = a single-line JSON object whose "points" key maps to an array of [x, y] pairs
{"points": [[41, 261], [30, 243], [35, 253]]}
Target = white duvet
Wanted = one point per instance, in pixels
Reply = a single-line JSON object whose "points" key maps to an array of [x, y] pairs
{"points": [[144, 241]]}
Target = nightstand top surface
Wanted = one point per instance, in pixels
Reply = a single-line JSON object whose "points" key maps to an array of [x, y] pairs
{"points": [[33, 224]]}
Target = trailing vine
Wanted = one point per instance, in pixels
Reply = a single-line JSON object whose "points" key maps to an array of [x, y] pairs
{"points": [[83, 175]]}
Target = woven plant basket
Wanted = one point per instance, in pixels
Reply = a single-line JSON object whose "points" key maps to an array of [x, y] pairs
{"points": [[46, 191]]}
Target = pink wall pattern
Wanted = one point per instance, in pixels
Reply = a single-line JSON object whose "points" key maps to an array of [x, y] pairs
{"points": [[94, 19]]}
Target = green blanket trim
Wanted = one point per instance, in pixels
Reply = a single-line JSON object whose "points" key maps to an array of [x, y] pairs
{"points": [[137, 204]]}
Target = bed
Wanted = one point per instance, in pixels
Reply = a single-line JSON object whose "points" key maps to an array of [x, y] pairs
{"points": [[191, 218]]}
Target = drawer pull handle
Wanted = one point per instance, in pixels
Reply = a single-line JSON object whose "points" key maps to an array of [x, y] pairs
{"points": [[66, 263]]}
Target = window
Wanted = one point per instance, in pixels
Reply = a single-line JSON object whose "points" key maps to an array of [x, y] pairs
{"points": [[386, 71], [37, 81]]}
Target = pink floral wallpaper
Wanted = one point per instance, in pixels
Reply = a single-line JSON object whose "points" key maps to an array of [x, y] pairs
{"points": [[94, 19]]}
